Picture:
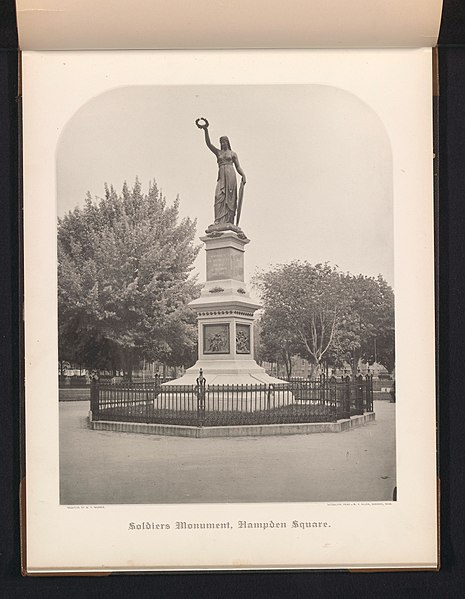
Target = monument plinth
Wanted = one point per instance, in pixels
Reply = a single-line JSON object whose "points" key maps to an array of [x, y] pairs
{"points": [[225, 314]]}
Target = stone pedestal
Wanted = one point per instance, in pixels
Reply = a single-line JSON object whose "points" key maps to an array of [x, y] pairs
{"points": [[225, 314]]}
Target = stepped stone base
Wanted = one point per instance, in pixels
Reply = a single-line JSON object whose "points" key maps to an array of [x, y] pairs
{"points": [[255, 430], [227, 372]]}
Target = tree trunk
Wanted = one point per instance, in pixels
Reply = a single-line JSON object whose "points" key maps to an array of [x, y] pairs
{"points": [[288, 365], [126, 358], [354, 363], [314, 366]]}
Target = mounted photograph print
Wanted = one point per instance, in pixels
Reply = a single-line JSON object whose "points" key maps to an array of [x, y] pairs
{"points": [[291, 331]]}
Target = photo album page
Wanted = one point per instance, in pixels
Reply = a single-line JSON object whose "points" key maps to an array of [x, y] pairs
{"points": [[229, 310]]}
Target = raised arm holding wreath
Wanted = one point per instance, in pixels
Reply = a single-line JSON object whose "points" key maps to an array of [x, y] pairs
{"points": [[228, 202]]}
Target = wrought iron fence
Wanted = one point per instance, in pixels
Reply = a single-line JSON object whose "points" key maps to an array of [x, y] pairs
{"points": [[323, 400]]}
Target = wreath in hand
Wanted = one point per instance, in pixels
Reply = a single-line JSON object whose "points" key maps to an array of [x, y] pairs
{"points": [[202, 123]]}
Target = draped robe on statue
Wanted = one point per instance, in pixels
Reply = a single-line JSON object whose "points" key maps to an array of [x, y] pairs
{"points": [[226, 188]]}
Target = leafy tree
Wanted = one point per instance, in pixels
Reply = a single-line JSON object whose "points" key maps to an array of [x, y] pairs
{"points": [[275, 343], [367, 331], [326, 316], [124, 266], [303, 307]]}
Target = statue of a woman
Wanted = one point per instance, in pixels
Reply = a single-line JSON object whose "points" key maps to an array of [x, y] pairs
{"points": [[226, 196]]}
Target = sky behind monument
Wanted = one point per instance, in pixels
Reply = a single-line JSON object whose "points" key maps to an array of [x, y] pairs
{"points": [[317, 159]]}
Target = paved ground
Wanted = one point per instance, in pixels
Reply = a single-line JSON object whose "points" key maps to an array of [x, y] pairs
{"points": [[101, 467]]}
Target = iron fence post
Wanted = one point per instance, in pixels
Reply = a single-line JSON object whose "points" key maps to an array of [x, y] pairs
{"points": [[156, 388], [359, 394], [200, 391], [94, 395], [322, 388], [347, 389], [333, 397], [363, 389], [370, 386], [365, 393], [269, 394]]}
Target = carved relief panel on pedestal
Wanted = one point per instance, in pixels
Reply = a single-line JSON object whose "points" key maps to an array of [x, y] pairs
{"points": [[242, 339], [216, 338]]}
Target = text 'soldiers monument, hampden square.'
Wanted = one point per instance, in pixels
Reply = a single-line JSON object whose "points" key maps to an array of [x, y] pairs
{"points": [[225, 311]]}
